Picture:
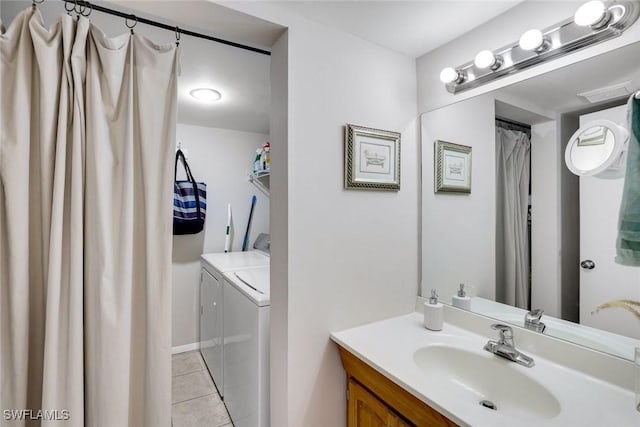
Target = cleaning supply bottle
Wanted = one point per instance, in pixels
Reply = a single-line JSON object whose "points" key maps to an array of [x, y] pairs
{"points": [[461, 300], [267, 156], [433, 313], [257, 162]]}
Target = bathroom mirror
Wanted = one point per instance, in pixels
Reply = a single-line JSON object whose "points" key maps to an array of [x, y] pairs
{"points": [[565, 266], [598, 148]]}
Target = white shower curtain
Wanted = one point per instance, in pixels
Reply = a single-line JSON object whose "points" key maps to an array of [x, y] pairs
{"points": [[86, 149], [513, 149]]}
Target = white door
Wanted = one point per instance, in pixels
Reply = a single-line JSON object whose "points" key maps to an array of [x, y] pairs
{"points": [[601, 279]]}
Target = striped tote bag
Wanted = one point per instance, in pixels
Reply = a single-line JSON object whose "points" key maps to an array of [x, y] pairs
{"points": [[189, 201]]}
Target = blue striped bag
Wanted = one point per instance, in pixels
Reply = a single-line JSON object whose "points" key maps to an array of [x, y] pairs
{"points": [[189, 201]]}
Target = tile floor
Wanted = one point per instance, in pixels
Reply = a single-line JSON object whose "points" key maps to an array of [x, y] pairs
{"points": [[195, 400]]}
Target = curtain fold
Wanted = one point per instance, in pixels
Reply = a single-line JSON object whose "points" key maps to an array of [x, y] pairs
{"points": [[87, 137], [513, 150]]}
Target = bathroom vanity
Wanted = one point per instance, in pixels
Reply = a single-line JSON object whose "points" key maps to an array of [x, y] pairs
{"points": [[401, 374], [374, 400]]}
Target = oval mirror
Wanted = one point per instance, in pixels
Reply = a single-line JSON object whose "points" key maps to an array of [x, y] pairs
{"points": [[598, 149]]}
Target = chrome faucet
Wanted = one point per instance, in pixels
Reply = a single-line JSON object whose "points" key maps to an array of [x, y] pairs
{"points": [[532, 320], [505, 346]]}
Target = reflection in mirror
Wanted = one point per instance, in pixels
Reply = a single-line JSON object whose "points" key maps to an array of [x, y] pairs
{"points": [[592, 148], [532, 234], [599, 149]]}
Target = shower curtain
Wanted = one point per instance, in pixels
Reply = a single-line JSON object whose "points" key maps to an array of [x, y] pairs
{"points": [[513, 149], [86, 149]]}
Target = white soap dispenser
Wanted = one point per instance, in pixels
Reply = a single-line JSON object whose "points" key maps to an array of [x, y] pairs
{"points": [[433, 313], [461, 300]]}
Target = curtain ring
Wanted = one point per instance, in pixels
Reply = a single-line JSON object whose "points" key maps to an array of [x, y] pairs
{"points": [[126, 22], [67, 9], [79, 8], [36, 2], [177, 36], [89, 8]]}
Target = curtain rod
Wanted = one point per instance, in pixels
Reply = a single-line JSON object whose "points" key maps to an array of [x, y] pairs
{"points": [[512, 123], [178, 30]]}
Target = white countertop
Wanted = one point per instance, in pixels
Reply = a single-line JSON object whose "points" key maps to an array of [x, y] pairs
{"points": [[388, 346]]}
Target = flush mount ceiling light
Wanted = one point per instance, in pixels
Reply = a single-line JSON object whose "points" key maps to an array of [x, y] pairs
{"points": [[534, 40], [204, 94], [594, 22], [451, 75], [592, 14]]}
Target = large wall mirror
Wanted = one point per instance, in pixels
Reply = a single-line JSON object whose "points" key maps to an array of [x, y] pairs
{"points": [[556, 252]]}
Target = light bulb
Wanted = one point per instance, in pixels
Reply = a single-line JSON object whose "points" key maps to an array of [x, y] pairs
{"points": [[532, 40], [204, 94], [485, 59], [449, 75], [591, 13]]}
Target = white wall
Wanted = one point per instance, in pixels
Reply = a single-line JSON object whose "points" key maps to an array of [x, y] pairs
{"points": [[352, 255], [221, 158], [458, 230]]}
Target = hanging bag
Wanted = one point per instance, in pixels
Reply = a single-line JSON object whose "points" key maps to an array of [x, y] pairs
{"points": [[189, 201]]}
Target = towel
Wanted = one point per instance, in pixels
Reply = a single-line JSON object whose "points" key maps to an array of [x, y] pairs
{"points": [[628, 242]]}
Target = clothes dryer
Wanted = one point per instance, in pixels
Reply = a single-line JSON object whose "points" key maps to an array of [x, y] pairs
{"points": [[247, 309]]}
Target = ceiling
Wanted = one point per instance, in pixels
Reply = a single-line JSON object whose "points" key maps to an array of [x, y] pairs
{"points": [[409, 27]]}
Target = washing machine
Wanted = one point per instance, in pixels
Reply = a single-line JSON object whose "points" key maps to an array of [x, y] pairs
{"points": [[246, 295], [213, 266]]}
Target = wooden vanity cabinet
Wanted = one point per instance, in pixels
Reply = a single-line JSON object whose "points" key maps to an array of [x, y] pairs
{"points": [[364, 409], [375, 400]]}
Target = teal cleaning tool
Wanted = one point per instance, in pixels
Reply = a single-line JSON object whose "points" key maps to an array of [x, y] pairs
{"points": [[245, 242]]}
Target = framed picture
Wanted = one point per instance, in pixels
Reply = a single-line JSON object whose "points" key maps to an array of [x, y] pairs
{"points": [[452, 168], [371, 159]]}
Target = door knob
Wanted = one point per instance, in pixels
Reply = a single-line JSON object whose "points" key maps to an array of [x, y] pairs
{"points": [[587, 264]]}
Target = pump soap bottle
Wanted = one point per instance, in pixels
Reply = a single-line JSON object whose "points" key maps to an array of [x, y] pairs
{"points": [[433, 313], [461, 300]]}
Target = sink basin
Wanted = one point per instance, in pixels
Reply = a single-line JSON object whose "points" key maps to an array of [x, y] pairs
{"points": [[475, 377]]}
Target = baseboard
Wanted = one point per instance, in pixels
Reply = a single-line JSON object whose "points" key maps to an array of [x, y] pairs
{"points": [[184, 348]]}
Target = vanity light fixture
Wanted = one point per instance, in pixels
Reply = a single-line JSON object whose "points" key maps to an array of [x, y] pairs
{"points": [[204, 94], [594, 22], [534, 40]]}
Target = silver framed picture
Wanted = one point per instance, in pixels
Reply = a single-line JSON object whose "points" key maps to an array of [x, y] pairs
{"points": [[371, 159], [452, 168]]}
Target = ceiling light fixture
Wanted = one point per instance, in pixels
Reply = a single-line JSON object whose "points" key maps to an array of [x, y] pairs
{"points": [[534, 40], [204, 94], [487, 59], [592, 14], [594, 22], [451, 75]]}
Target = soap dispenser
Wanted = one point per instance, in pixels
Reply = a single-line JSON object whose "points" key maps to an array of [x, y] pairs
{"points": [[461, 300], [433, 313]]}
